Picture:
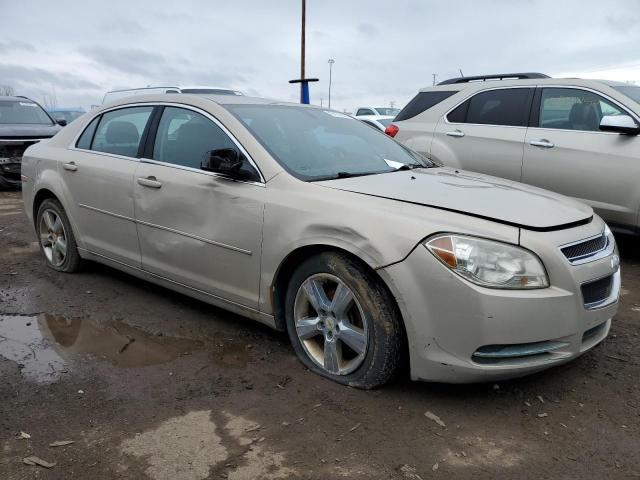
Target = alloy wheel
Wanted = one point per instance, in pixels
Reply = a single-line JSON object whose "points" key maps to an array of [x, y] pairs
{"points": [[53, 237], [330, 324]]}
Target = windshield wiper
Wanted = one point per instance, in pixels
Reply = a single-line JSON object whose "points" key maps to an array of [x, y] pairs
{"points": [[410, 166]]}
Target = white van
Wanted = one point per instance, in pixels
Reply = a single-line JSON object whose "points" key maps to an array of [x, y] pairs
{"points": [[118, 94]]}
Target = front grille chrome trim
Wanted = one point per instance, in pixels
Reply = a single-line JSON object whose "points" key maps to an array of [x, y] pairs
{"points": [[518, 350], [577, 255]]}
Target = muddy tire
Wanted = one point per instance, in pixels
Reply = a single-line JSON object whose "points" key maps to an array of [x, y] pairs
{"points": [[57, 242], [343, 322]]}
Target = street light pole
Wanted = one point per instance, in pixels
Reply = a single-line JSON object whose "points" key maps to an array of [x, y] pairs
{"points": [[330, 62]]}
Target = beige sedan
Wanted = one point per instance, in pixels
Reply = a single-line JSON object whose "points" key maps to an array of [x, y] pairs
{"points": [[309, 221]]}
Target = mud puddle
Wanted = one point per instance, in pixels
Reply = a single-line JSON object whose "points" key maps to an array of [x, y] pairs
{"points": [[45, 346], [231, 352]]}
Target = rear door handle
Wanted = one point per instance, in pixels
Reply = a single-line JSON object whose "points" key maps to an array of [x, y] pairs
{"points": [[455, 133], [544, 143], [71, 166], [150, 182]]}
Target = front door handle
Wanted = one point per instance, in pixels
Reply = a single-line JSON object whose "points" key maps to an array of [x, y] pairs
{"points": [[71, 166], [455, 133], [150, 182], [544, 143]]}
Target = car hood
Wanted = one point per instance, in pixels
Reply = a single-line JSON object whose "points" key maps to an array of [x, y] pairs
{"points": [[473, 194], [33, 131]]}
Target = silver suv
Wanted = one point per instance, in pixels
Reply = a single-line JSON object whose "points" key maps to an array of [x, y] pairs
{"points": [[576, 137]]}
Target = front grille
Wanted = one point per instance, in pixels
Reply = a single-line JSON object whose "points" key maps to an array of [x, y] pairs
{"points": [[596, 292], [585, 249]]}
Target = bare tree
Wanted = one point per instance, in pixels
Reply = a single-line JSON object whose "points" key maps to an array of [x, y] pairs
{"points": [[7, 90], [50, 99]]}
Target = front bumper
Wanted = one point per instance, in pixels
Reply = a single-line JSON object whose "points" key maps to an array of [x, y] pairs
{"points": [[10, 174], [459, 332]]}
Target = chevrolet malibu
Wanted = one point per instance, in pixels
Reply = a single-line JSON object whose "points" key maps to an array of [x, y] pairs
{"points": [[313, 223]]}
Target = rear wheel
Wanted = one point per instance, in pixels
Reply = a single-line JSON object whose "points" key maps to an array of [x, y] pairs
{"points": [[342, 321], [57, 243]]}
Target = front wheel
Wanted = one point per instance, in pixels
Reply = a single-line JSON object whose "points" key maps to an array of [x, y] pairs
{"points": [[343, 322], [57, 243]]}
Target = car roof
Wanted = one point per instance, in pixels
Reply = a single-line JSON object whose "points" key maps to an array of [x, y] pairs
{"points": [[481, 85], [15, 98], [197, 98], [180, 87]]}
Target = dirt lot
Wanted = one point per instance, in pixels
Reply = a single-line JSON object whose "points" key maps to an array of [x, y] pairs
{"points": [[151, 384]]}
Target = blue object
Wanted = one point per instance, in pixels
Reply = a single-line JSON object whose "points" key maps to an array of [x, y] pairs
{"points": [[304, 88]]}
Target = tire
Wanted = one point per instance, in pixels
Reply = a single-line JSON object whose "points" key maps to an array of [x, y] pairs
{"points": [[353, 334], [52, 226]]}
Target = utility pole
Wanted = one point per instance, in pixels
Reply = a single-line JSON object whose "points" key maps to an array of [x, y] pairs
{"points": [[330, 62], [304, 82], [434, 78]]}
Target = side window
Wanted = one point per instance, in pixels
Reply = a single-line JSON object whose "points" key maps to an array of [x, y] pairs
{"points": [[459, 114], [421, 102], [120, 131], [574, 109], [87, 136], [185, 137], [508, 106]]}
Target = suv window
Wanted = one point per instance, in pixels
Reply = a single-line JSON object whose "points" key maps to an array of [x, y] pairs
{"points": [[184, 137], [422, 102], [505, 106], [574, 109], [120, 131], [364, 111]]}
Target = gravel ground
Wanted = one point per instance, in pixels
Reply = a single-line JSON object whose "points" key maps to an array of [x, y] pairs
{"points": [[151, 384]]}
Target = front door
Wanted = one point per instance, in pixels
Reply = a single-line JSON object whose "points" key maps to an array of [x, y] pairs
{"points": [[566, 152], [98, 183], [197, 228]]}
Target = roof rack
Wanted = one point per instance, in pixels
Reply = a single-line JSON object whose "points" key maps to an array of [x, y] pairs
{"points": [[497, 76]]}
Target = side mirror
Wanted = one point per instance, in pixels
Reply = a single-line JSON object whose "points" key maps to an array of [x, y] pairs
{"points": [[619, 123], [61, 121], [226, 161]]}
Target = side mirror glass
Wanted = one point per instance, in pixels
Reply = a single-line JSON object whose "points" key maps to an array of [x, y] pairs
{"points": [[226, 161], [619, 123], [61, 121]]}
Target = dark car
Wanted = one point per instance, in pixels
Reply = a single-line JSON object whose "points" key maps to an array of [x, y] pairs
{"points": [[23, 122]]}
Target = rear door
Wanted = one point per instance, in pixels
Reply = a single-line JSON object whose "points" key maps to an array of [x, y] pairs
{"points": [[97, 175], [486, 132], [566, 152], [198, 228]]}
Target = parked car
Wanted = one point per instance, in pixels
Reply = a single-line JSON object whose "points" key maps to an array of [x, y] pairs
{"points": [[576, 137], [198, 90], [23, 122], [385, 111], [311, 222], [381, 122], [68, 114]]}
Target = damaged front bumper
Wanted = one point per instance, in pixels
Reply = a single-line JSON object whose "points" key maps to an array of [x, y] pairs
{"points": [[459, 332]]}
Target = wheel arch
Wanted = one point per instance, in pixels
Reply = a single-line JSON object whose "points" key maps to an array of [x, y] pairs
{"points": [[285, 270], [40, 196]]}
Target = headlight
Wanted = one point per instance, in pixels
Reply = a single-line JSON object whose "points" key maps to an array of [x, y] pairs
{"points": [[489, 263]]}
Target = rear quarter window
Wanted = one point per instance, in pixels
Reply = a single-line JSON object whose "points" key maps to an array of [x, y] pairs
{"points": [[422, 102]]}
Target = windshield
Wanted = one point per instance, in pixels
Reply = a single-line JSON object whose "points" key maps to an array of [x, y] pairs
{"points": [[631, 91], [388, 111], [314, 144], [67, 115], [22, 112]]}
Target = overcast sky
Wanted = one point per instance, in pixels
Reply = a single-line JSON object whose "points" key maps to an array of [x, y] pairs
{"points": [[384, 50]]}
